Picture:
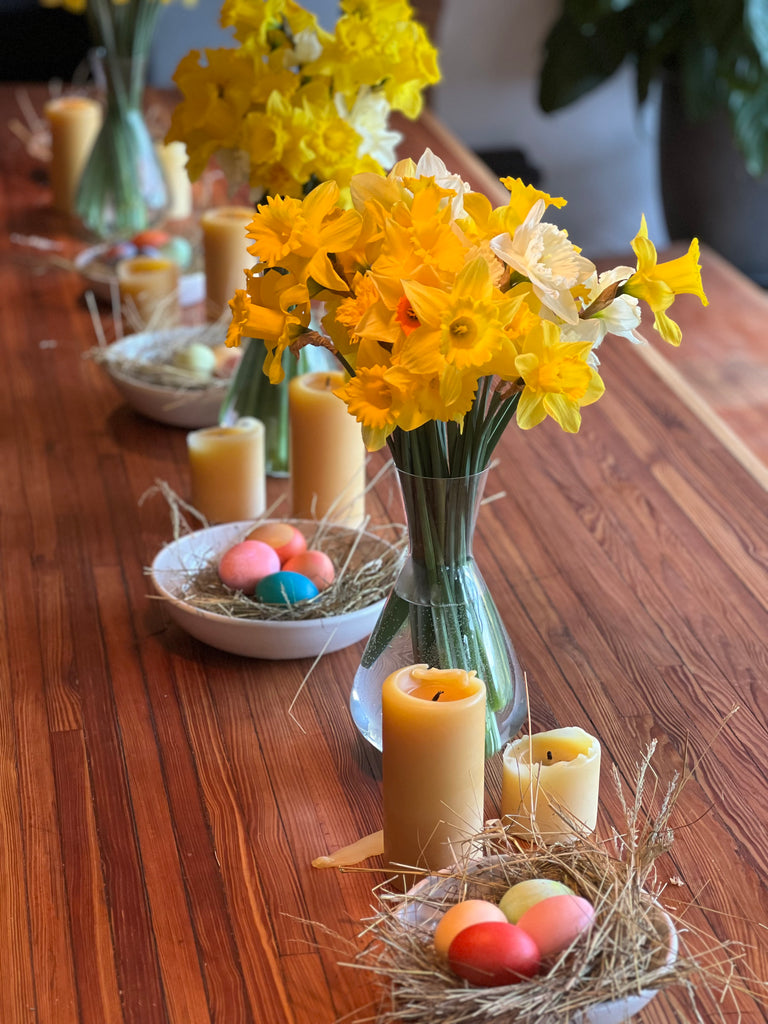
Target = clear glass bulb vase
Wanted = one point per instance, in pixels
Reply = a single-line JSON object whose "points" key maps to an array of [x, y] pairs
{"points": [[122, 189], [440, 612]]}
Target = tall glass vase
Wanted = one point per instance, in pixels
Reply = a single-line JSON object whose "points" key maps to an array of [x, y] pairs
{"points": [[440, 612], [122, 189]]}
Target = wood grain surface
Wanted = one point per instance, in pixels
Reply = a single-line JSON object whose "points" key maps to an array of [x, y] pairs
{"points": [[161, 801]]}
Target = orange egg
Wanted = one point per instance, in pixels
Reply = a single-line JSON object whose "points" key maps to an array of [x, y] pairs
{"points": [[460, 916], [284, 538], [315, 565], [151, 237]]}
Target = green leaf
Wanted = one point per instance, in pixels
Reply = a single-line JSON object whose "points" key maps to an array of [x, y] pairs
{"points": [[578, 58], [756, 22]]}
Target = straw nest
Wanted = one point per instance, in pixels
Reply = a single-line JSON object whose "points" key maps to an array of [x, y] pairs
{"points": [[634, 947], [147, 357]]}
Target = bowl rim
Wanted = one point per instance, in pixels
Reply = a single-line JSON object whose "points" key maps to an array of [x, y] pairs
{"points": [[108, 351]]}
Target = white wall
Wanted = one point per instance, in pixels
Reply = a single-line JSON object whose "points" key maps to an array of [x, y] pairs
{"points": [[600, 153]]}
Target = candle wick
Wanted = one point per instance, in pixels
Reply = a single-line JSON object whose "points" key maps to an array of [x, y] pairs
{"points": [[327, 383], [549, 755], [438, 694]]}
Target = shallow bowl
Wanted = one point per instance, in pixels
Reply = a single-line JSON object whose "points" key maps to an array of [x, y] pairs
{"points": [[177, 563], [176, 406]]}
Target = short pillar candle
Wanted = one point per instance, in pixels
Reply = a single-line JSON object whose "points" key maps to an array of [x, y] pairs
{"points": [[150, 284], [551, 780], [433, 765], [228, 478], [327, 454], [74, 122], [173, 160], [225, 255]]}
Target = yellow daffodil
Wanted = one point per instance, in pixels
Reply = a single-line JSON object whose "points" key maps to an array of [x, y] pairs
{"points": [[659, 283], [558, 379], [273, 307]]}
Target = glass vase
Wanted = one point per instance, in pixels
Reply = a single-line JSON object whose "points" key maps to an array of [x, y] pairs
{"points": [[440, 612], [252, 394], [122, 189]]}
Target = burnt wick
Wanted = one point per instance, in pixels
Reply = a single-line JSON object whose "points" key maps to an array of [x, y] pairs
{"points": [[438, 695], [549, 755]]}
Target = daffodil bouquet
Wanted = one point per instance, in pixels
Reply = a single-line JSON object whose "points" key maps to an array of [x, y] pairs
{"points": [[293, 104], [452, 317]]}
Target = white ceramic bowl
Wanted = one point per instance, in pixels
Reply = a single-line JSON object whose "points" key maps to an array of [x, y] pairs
{"points": [[254, 638], [190, 407], [424, 917]]}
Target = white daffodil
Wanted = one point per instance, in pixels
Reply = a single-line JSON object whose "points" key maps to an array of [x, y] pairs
{"points": [[431, 166], [369, 116], [622, 315], [306, 48], [543, 254]]}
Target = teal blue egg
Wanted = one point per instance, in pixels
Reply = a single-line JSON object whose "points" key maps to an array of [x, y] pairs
{"points": [[285, 588], [179, 250]]}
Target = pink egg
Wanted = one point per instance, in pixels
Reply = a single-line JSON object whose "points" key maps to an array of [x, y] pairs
{"points": [[461, 916], [284, 538], [555, 923], [242, 566], [316, 565], [493, 953]]}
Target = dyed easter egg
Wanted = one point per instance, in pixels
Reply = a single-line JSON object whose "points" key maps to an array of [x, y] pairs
{"points": [[243, 565], [120, 251], [152, 238], [520, 897], [227, 359], [285, 588], [284, 538], [177, 249], [460, 916], [492, 953], [555, 923], [197, 358], [315, 565]]}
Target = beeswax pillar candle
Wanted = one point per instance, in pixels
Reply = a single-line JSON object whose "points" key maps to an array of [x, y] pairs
{"points": [[74, 122], [228, 479], [327, 454], [150, 284], [547, 772], [173, 160], [433, 765], [225, 255]]}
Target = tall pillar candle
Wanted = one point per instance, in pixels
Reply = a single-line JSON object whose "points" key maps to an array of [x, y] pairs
{"points": [[173, 160], [433, 765], [228, 480], [74, 123], [150, 285], [327, 454], [225, 255], [547, 773]]}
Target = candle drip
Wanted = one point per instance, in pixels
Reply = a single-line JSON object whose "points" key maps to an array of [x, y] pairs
{"points": [[369, 846], [438, 695]]}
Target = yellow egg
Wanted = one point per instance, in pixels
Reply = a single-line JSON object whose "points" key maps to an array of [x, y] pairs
{"points": [[197, 358], [526, 894], [461, 916]]}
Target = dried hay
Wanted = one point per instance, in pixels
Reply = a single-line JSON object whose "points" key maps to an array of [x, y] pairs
{"points": [[634, 945]]}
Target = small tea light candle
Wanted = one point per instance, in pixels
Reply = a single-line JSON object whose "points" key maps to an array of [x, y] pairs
{"points": [[327, 457], [225, 255], [74, 123], [548, 771], [173, 160], [151, 285], [433, 765], [228, 480]]}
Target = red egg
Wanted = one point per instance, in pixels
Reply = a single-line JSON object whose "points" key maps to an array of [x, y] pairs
{"points": [[493, 953], [555, 923], [242, 566], [151, 237], [284, 538], [316, 565]]}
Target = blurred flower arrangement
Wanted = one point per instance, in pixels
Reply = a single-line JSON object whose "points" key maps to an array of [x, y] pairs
{"points": [[452, 317], [122, 189], [293, 105]]}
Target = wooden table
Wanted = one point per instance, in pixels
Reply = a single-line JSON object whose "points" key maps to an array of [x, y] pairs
{"points": [[160, 807]]}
